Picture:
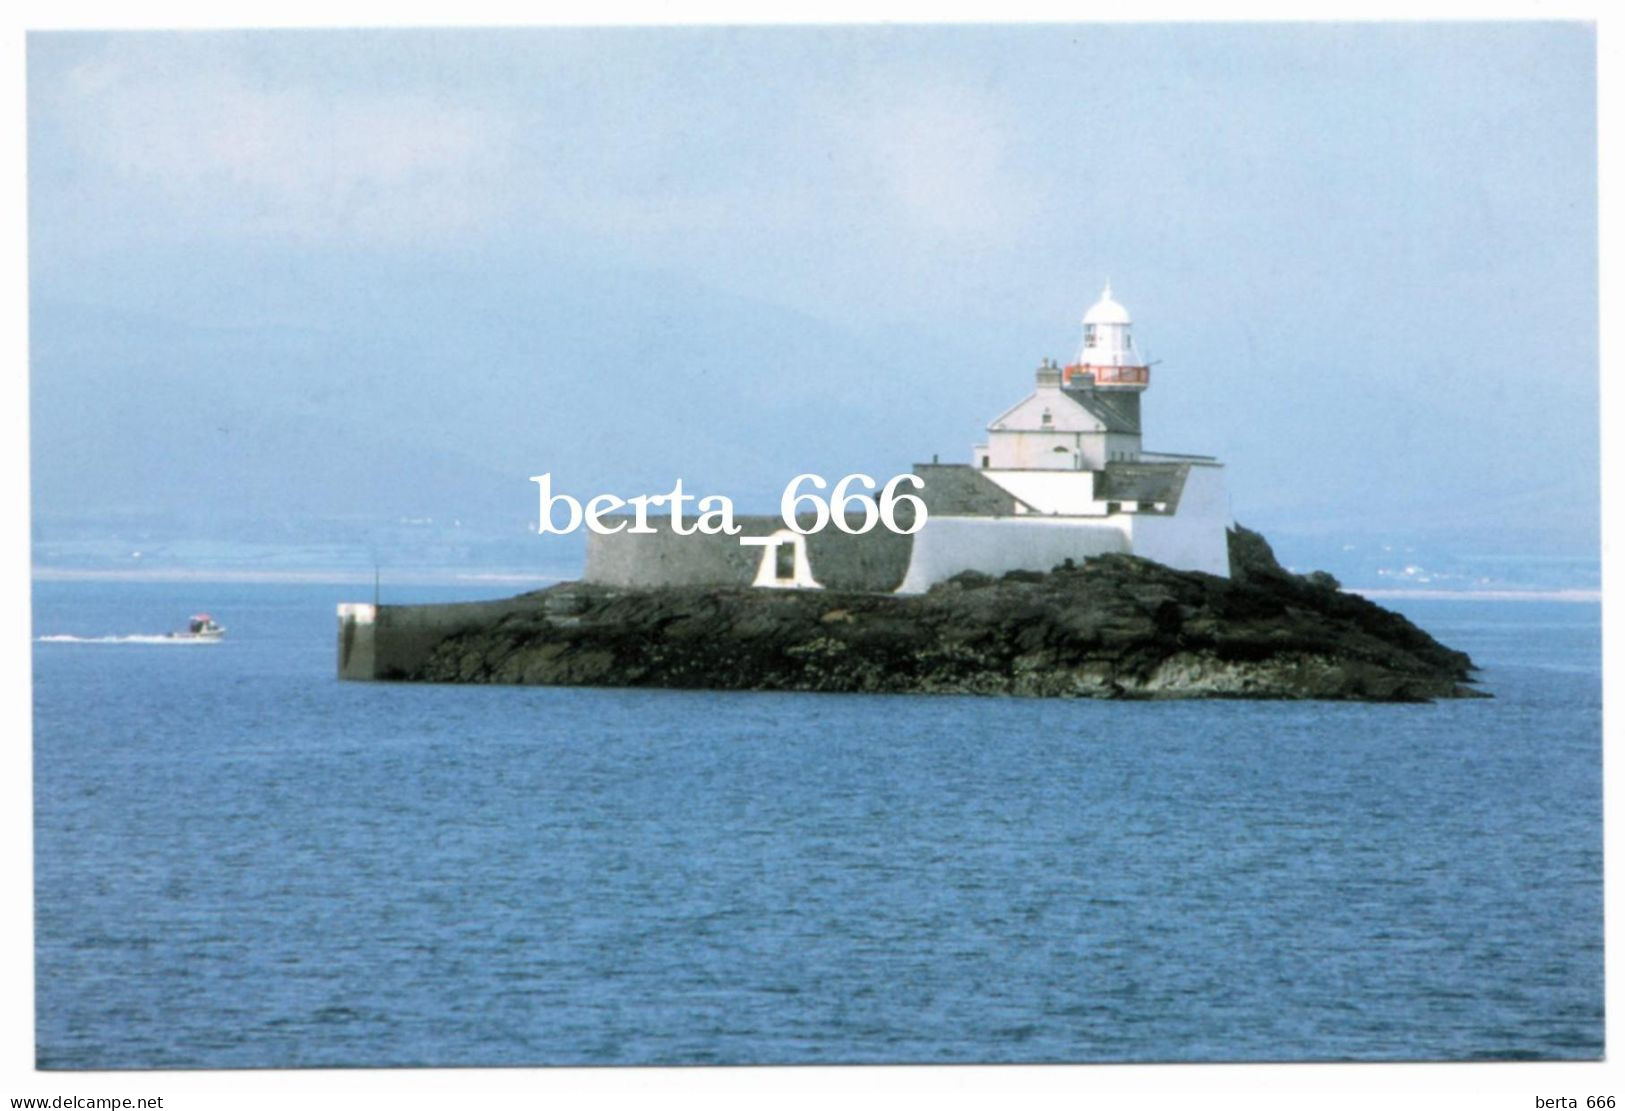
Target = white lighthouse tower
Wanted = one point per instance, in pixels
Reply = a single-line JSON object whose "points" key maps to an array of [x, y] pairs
{"points": [[1078, 482], [1082, 416], [1109, 359]]}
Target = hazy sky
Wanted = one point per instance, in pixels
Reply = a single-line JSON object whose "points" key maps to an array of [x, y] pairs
{"points": [[344, 275]]}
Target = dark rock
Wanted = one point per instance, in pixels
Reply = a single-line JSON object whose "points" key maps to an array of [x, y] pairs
{"points": [[1112, 627], [1251, 555]]}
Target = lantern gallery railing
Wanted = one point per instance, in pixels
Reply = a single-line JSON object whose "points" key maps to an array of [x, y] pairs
{"points": [[1110, 375]]}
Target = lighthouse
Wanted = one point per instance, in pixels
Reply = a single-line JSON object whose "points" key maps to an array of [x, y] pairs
{"points": [[1082, 416], [1109, 359], [1061, 476]]}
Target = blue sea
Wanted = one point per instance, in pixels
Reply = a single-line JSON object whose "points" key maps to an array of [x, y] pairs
{"points": [[242, 862]]}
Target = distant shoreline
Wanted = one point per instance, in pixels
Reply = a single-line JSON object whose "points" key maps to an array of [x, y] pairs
{"points": [[519, 578], [290, 577], [1481, 595]]}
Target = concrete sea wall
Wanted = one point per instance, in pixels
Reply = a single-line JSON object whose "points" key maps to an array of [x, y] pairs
{"points": [[873, 561], [391, 642]]}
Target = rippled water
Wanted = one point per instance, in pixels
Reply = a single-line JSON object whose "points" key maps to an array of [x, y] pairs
{"points": [[242, 862]]}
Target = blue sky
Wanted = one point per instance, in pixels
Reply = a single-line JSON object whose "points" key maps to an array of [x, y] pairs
{"points": [[339, 276]]}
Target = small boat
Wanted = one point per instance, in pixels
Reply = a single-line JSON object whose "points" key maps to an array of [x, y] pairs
{"points": [[200, 627]]}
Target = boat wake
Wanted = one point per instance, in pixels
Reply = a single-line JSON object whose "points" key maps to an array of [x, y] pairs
{"points": [[135, 638]]}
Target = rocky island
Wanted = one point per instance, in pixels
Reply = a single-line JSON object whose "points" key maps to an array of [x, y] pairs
{"points": [[1113, 626], [1064, 560]]}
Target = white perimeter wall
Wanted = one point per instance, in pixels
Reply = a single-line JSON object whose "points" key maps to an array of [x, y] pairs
{"points": [[994, 545], [1194, 538]]}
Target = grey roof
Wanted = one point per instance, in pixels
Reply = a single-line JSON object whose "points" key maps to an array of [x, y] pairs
{"points": [[959, 490], [1118, 410], [1143, 482]]}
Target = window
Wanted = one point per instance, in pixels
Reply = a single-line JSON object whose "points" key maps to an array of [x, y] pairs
{"points": [[784, 561], [1088, 335]]}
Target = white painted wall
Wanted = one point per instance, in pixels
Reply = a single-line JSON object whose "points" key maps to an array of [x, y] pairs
{"points": [[1056, 451], [1191, 540], [767, 571], [994, 545], [1071, 438], [1067, 492], [1028, 414], [1194, 538]]}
